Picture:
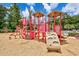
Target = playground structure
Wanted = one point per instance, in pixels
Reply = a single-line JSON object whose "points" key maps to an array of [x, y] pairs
{"points": [[43, 32], [45, 26], [39, 15], [23, 32], [55, 14]]}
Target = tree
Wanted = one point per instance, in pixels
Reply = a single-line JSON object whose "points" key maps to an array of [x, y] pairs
{"points": [[67, 21], [14, 16], [71, 22], [76, 21], [3, 12], [69, 26]]}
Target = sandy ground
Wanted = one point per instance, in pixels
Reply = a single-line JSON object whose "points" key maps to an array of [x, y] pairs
{"points": [[20, 47]]}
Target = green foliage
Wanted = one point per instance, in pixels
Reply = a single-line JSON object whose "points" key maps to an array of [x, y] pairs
{"points": [[51, 23], [9, 18], [70, 22], [15, 13], [73, 34], [14, 16], [57, 21], [3, 12], [69, 26], [28, 27]]}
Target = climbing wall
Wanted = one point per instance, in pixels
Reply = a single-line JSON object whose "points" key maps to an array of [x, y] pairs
{"points": [[52, 41]]}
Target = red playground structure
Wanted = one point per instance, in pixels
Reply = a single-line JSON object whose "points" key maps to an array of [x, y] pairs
{"points": [[23, 32], [57, 29], [39, 15], [42, 25]]}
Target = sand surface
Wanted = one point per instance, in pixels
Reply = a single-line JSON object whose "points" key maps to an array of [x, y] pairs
{"points": [[20, 47]]}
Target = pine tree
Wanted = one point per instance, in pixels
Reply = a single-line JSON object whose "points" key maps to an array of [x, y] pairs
{"points": [[3, 12], [14, 16]]}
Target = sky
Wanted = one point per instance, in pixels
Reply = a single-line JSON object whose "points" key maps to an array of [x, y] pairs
{"points": [[46, 8]]}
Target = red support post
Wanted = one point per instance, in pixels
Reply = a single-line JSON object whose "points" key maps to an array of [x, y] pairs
{"points": [[34, 27], [24, 22], [60, 27], [45, 30], [43, 33], [38, 28], [31, 33], [30, 24], [48, 24], [45, 26], [54, 23]]}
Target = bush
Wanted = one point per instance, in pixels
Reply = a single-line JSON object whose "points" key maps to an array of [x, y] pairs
{"points": [[73, 34], [69, 26]]}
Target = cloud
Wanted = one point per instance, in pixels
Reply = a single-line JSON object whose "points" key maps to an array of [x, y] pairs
{"points": [[53, 5], [47, 7], [7, 5], [32, 8], [71, 9], [25, 12], [50, 7], [31, 4]]}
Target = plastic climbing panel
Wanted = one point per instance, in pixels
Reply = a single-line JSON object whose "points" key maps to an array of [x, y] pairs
{"points": [[52, 41]]}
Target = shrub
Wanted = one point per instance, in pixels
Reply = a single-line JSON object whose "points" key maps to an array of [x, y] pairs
{"points": [[73, 34]]}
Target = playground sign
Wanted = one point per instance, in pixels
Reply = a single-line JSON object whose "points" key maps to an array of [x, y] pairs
{"points": [[52, 41]]}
